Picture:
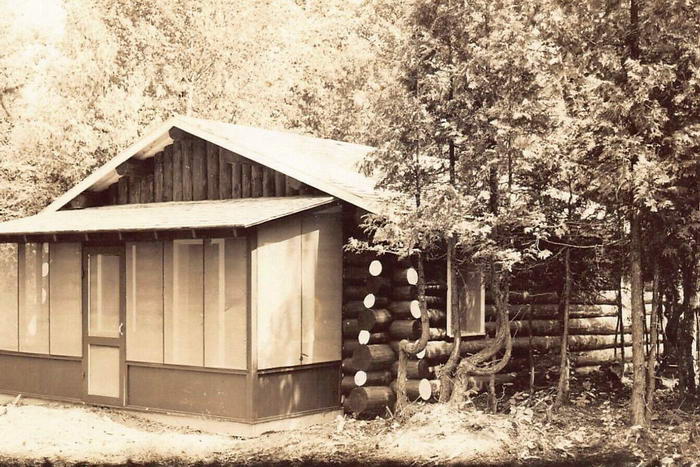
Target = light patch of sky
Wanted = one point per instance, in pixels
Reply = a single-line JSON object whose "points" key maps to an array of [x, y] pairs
{"points": [[44, 19]]}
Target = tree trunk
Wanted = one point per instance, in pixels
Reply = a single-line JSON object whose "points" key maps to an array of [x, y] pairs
{"points": [[684, 351], [447, 372], [502, 340], [563, 386], [637, 291], [654, 335]]}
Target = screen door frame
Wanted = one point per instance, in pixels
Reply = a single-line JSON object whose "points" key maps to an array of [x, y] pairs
{"points": [[117, 342]]}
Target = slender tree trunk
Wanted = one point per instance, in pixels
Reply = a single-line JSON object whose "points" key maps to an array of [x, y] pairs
{"points": [[686, 328], [447, 372], [563, 387], [637, 292], [654, 330]]}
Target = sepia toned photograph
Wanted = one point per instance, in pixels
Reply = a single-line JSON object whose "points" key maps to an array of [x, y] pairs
{"points": [[350, 233]]}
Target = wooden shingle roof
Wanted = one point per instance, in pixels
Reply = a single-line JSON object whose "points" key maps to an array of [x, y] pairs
{"points": [[327, 165], [233, 213]]}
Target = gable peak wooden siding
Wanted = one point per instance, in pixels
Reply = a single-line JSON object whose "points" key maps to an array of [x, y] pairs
{"points": [[191, 169]]}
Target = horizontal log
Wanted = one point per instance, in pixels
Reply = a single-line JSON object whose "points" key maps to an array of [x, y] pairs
{"points": [[374, 301], [351, 258], [352, 308], [376, 267], [136, 168], [415, 369], [355, 273], [350, 328], [402, 309], [354, 292], [348, 367], [88, 199], [411, 329], [405, 276], [431, 388], [378, 285], [370, 400], [412, 389], [600, 357], [374, 319], [373, 378], [373, 357], [347, 384], [439, 351], [349, 346], [550, 311], [577, 326], [366, 337], [402, 329]]}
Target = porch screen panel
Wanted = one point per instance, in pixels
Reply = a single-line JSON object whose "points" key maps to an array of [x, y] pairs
{"points": [[144, 302], [8, 297], [184, 306], [66, 299], [322, 265], [34, 298], [279, 293], [225, 303]]}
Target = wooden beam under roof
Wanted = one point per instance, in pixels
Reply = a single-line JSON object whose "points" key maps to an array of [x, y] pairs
{"points": [[136, 167]]}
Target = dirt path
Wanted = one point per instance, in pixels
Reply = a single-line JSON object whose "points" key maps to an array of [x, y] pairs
{"points": [[592, 431]]}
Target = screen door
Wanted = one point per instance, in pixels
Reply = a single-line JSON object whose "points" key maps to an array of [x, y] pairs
{"points": [[104, 325]]}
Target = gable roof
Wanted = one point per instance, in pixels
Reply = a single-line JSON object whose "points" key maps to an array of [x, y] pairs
{"points": [[330, 166], [183, 215]]}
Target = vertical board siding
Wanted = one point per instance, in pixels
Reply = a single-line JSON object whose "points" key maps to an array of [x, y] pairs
{"points": [[212, 171], [268, 182], [147, 184], [123, 191], [168, 174], [186, 150], [158, 178], [191, 169], [256, 181], [177, 172], [246, 180], [225, 176], [199, 170], [291, 186], [134, 190], [280, 184]]}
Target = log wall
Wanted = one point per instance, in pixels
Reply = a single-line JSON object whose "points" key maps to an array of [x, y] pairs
{"points": [[380, 309]]}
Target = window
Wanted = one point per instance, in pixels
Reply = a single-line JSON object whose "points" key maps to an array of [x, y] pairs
{"points": [[34, 298], [279, 293], [299, 264], [470, 300], [225, 305], [187, 302], [144, 302], [322, 295], [65, 299], [184, 302], [8, 297]]}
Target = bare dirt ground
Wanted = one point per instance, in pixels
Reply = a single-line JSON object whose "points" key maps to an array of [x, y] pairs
{"points": [[591, 431]]}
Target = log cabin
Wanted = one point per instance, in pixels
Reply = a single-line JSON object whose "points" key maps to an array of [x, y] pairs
{"points": [[199, 271]]}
